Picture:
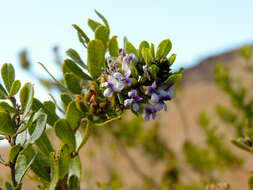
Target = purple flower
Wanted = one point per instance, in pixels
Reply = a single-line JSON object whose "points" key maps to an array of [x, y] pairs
{"points": [[149, 110], [126, 62], [113, 85], [133, 100], [124, 77], [128, 58], [161, 105], [160, 94], [152, 88]]}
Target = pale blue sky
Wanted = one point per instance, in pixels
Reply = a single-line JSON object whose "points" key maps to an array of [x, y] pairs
{"points": [[197, 28]]}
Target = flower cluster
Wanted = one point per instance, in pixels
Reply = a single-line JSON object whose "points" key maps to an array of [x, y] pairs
{"points": [[145, 96], [118, 73]]}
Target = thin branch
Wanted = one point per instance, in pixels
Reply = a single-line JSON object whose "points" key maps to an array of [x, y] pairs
{"points": [[55, 80]]}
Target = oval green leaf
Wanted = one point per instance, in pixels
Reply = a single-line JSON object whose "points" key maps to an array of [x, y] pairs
{"points": [[96, 58], [22, 165], [73, 115], [129, 48], [163, 48], [102, 33], [70, 67], [113, 47], [39, 127], [7, 126], [15, 87], [73, 83], [4, 106], [8, 75], [173, 79], [143, 44], [26, 98], [65, 133], [63, 160], [66, 99]]}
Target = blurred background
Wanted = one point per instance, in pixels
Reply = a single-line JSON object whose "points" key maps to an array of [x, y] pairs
{"points": [[172, 152]]}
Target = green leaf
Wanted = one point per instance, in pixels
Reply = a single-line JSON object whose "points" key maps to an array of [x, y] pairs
{"points": [[75, 167], [96, 58], [102, 33], [7, 126], [15, 87], [40, 166], [14, 152], [129, 48], [22, 166], [36, 105], [152, 49], [8, 75], [49, 109], [180, 71], [4, 106], [147, 56], [103, 19], [65, 133], [134, 71], [74, 183], [82, 34], [241, 145], [3, 93], [163, 48], [26, 98], [153, 69], [54, 173], [172, 79], [73, 116], [172, 58], [76, 57], [73, 83], [84, 139], [93, 24], [70, 67], [8, 186], [39, 127], [63, 160], [21, 138], [66, 99], [113, 47], [143, 44], [44, 144]]}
